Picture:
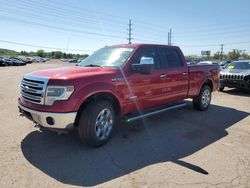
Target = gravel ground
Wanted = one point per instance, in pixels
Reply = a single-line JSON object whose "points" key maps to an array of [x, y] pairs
{"points": [[180, 148]]}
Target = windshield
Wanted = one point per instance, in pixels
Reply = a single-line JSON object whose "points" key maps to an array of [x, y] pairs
{"points": [[108, 57], [239, 65]]}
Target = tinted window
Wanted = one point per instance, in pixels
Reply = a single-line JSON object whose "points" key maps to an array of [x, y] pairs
{"points": [[148, 52], [171, 58]]}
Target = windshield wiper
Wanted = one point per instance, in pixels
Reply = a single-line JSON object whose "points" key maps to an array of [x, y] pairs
{"points": [[92, 65]]}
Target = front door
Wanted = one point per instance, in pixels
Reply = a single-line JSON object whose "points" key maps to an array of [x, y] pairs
{"points": [[146, 90]]}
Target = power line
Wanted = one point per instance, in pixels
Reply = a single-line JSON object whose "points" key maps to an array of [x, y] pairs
{"points": [[76, 11], [81, 35], [218, 34], [61, 22], [59, 15], [45, 47], [109, 16], [88, 10], [207, 45], [48, 11], [213, 29], [63, 28], [55, 11]]}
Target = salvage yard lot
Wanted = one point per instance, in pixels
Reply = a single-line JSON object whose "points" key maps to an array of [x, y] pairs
{"points": [[180, 148]]}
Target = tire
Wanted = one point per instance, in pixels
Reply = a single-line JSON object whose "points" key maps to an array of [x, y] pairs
{"points": [[96, 123], [202, 101], [220, 88]]}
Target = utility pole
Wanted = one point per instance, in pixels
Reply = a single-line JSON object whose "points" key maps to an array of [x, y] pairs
{"points": [[221, 51], [129, 32], [244, 54], [170, 37]]}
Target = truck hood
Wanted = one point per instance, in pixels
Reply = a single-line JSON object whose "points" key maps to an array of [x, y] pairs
{"points": [[72, 72], [243, 72]]}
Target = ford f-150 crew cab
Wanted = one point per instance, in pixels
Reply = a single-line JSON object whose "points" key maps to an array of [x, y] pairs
{"points": [[131, 81]]}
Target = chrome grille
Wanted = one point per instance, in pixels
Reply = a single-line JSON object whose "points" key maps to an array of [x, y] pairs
{"points": [[33, 89], [231, 77]]}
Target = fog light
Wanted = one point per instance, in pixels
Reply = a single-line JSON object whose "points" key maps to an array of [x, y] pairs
{"points": [[50, 120]]}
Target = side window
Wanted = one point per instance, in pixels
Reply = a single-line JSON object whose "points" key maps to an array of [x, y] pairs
{"points": [[148, 52], [171, 58]]}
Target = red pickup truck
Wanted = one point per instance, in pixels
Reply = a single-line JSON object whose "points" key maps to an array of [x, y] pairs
{"points": [[131, 81]]}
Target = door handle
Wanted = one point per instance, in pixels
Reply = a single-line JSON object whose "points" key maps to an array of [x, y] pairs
{"points": [[184, 74], [162, 76]]}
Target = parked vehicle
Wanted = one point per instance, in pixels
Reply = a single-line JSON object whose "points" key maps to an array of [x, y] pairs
{"points": [[191, 62], [131, 81], [72, 60], [236, 75], [46, 59], [8, 61], [208, 62], [64, 60], [79, 60], [38, 59], [2, 62], [17, 62], [27, 60], [223, 64]]}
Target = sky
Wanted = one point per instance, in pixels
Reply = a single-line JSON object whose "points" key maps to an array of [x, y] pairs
{"points": [[83, 26]]}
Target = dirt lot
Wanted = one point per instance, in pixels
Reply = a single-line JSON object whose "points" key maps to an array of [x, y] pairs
{"points": [[181, 148]]}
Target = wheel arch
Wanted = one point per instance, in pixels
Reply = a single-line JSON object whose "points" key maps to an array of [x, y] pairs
{"points": [[99, 96], [208, 82]]}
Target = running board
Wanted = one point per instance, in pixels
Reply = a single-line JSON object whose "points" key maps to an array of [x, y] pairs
{"points": [[133, 117]]}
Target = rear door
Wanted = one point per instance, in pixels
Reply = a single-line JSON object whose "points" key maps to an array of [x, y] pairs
{"points": [[176, 74]]}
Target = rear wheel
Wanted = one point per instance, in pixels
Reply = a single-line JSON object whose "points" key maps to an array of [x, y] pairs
{"points": [[96, 123], [202, 101]]}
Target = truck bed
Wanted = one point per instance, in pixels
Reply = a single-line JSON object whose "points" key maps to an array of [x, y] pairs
{"points": [[199, 73]]}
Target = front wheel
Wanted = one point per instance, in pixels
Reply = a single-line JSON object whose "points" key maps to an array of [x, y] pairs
{"points": [[96, 123], [202, 101], [220, 88]]}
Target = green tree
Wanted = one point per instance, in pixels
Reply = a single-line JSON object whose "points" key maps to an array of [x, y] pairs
{"points": [[216, 56], [24, 53], [40, 53], [234, 54], [58, 55], [84, 56], [244, 55]]}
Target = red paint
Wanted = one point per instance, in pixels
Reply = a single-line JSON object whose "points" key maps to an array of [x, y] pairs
{"points": [[150, 90]]}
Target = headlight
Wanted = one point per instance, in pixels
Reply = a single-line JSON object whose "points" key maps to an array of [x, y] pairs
{"points": [[55, 93]]}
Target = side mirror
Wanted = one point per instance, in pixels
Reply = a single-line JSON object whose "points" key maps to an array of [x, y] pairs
{"points": [[147, 60], [145, 67], [142, 68]]}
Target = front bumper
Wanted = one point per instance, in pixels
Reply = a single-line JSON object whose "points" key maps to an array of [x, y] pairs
{"points": [[50, 120], [235, 83]]}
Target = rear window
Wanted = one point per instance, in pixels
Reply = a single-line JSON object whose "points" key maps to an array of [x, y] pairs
{"points": [[172, 58]]}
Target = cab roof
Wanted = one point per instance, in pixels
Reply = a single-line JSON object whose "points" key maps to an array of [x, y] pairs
{"points": [[141, 45]]}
